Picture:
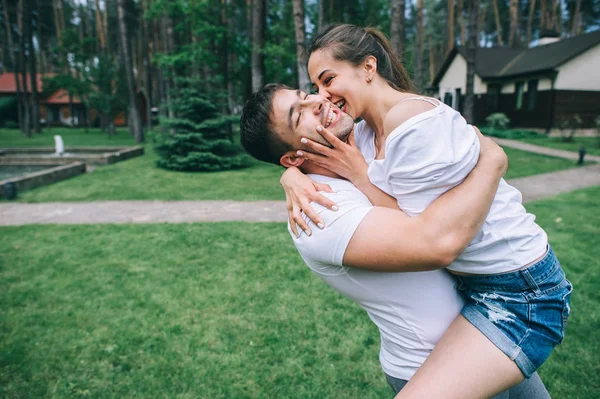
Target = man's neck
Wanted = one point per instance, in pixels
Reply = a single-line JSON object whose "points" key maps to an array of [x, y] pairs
{"points": [[310, 168]]}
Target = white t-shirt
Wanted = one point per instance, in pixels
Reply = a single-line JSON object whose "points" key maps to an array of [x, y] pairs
{"points": [[411, 310], [435, 151]]}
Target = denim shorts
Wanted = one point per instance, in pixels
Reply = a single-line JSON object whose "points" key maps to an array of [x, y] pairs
{"points": [[524, 313]]}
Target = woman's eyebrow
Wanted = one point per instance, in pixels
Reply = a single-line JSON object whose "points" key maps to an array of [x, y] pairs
{"points": [[321, 74]]}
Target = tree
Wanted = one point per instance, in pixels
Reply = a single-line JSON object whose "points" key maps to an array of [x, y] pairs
{"points": [[469, 112], [419, 47], [397, 26], [450, 22], [134, 109], [21, 21], [530, 20], [301, 53], [498, 25], [31, 56], [258, 43], [513, 40], [322, 14], [14, 61]]}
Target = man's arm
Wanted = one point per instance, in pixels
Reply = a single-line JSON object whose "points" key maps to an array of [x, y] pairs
{"points": [[388, 240]]}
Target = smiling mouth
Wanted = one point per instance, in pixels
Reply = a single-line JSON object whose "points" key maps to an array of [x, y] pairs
{"points": [[332, 115], [341, 105]]}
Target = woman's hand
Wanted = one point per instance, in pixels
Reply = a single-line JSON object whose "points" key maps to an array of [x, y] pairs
{"points": [[300, 191], [342, 159]]}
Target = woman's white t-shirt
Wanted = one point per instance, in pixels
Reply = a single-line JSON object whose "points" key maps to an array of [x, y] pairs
{"points": [[433, 152]]}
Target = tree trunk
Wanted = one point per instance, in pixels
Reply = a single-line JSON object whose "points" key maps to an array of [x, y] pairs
{"points": [[419, 44], [322, 15], [513, 40], [469, 111], [14, 61], [22, 21], [35, 101], [226, 65], [258, 41], [397, 26], [100, 28], [498, 24], [431, 58], [530, 20], [134, 109], [247, 67], [145, 42], [576, 23], [461, 22], [301, 54], [543, 20], [450, 22]]}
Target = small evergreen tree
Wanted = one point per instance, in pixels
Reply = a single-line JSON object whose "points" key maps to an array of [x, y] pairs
{"points": [[197, 141]]}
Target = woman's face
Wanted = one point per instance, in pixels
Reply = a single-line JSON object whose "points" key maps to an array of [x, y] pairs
{"points": [[338, 81]]}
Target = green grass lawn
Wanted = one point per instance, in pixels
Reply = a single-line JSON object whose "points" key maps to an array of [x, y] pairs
{"points": [[139, 179], [590, 143], [227, 310]]}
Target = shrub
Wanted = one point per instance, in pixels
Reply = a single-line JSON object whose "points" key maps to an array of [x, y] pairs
{"points": [[569, 127], [513, 134], [8, 110], [497, 120], [200, 138], [11, 124]]}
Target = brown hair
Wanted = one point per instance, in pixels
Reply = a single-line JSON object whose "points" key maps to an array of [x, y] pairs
{"points": [[257, 135], [354, 44]]}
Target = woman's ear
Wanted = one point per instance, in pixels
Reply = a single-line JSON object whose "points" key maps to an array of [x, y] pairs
{"points": [[370, 67], [290, 159]]}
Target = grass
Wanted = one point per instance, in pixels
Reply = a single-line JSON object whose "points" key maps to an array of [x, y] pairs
{"points": [[591, 144], [139, 179], [227, 310]]}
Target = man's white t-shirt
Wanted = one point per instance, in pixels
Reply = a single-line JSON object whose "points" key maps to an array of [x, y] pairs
{"points": [[411, 310], [433, 152]]}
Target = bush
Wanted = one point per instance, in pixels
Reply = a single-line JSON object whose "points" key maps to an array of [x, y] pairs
{"points": [[200, 138], [8, 110], [497, 120], [569, 127], [11, 124], [193, 152]]}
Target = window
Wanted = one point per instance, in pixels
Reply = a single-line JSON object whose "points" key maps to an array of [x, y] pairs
{"points": [[531, 93], [519, 93], [448, 99], [493, 93], [458, 100]]}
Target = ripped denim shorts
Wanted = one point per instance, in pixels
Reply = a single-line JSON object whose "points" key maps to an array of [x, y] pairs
{"points": [[524, 313]]}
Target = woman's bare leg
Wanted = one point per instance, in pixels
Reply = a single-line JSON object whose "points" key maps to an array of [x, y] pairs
{"points": [[463, 365]]}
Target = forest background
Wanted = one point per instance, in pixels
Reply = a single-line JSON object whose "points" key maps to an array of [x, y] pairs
{"points": [[107, 52]]}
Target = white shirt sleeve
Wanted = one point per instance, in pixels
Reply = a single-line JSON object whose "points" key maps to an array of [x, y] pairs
{"points": [[426, 156], [324, 251]]}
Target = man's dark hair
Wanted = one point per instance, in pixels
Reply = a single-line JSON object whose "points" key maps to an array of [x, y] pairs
{"points": [[258, 136]]}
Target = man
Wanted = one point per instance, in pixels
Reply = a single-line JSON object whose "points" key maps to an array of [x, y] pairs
{"points": [[411, 310]]}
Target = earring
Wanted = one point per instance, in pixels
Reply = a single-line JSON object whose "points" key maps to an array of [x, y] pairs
{"points": [[369, 79]]}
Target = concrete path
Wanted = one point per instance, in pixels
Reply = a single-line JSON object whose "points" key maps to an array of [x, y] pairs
{"points": [[538, 149], [14, 214]]}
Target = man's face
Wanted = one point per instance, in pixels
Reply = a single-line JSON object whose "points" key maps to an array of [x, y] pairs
{"points": [[296, 115]]}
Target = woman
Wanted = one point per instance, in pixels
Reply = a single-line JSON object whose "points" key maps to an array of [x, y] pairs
{"points": [[416, 149]]}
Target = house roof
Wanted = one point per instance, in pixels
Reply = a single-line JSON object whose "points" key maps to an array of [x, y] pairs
{"points": [[8, 86], [502, 62]]}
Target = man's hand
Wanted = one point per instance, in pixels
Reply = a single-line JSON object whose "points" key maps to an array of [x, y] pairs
{"points": [[491, 153]]}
